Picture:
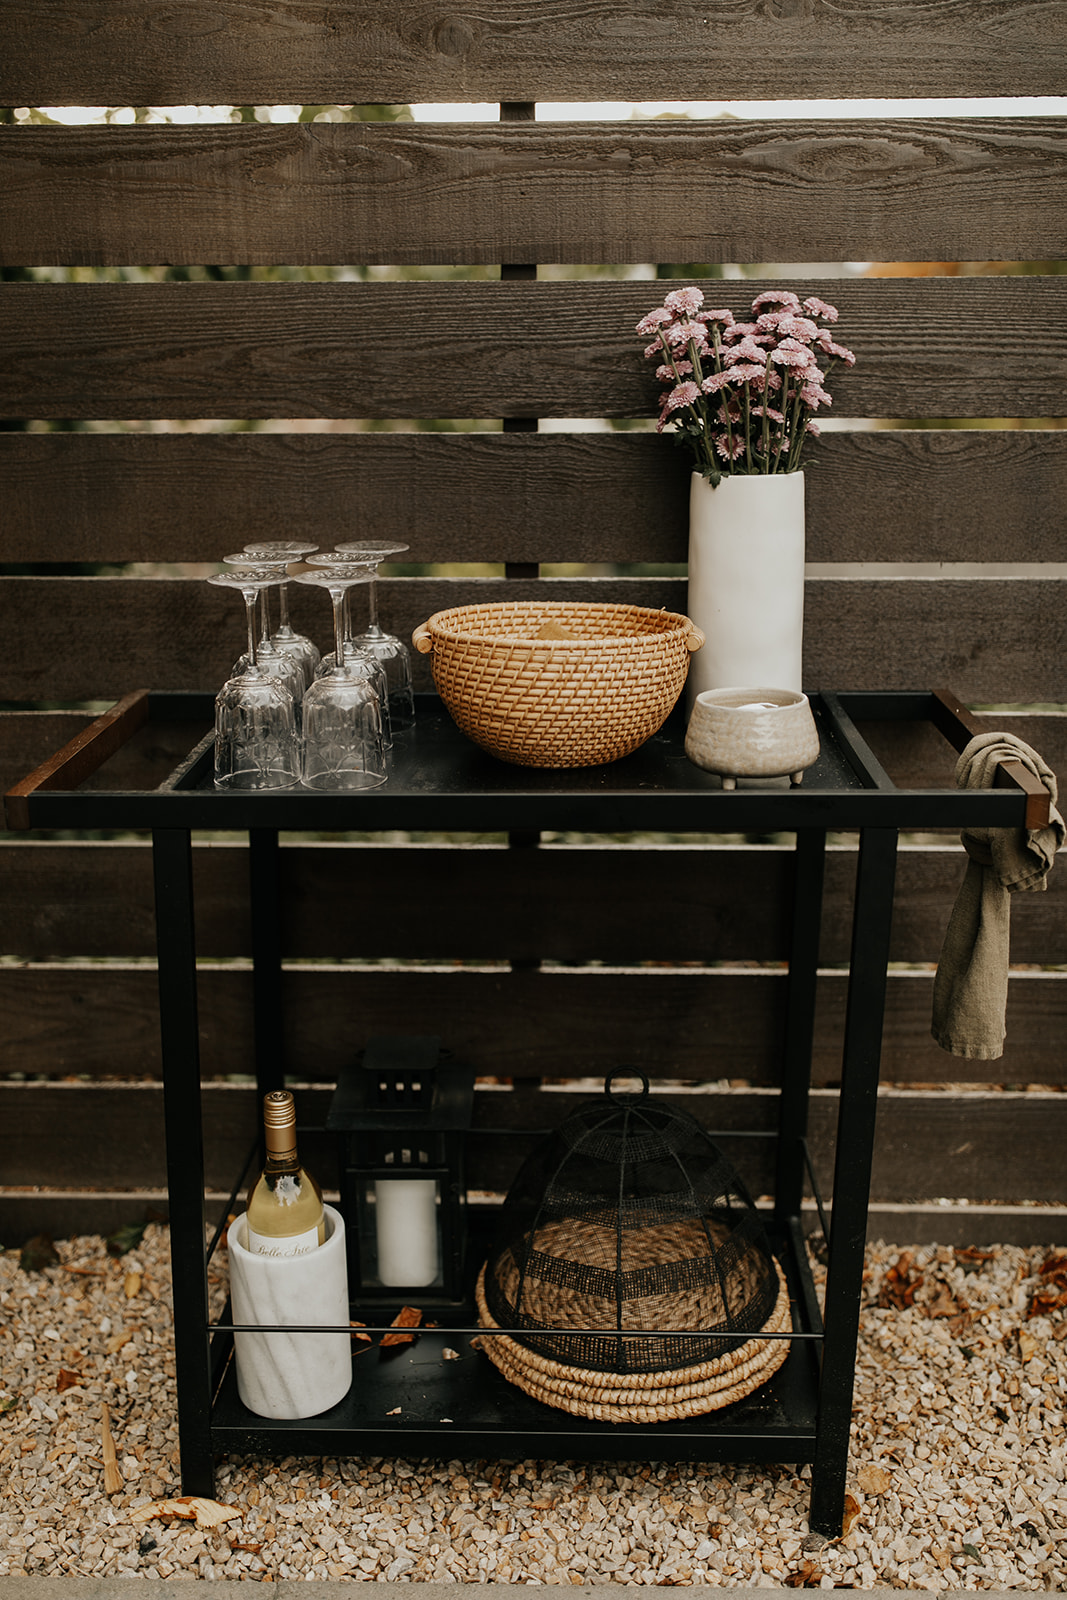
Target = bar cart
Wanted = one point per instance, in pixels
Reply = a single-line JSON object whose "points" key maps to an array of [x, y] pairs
{"points": [[422, 1405]]}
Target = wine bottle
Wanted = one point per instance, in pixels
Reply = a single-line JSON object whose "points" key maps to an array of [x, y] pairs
{"points": [[285, 1214]]}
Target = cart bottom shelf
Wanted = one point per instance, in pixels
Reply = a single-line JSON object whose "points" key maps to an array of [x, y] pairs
{"points": [[414, 1402]]}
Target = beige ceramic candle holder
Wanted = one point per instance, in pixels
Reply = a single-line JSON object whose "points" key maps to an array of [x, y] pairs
{"points": [[752, 733]]}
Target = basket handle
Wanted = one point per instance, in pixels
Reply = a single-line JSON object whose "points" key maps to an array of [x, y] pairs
{"points": [[694, 639], [422, 639]]}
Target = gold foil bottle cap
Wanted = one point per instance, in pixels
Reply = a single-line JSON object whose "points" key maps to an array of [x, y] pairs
{"points": [[279, 1122]]}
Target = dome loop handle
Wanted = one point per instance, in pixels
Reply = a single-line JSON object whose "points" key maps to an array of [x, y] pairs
{"points": [[626, 1099]]}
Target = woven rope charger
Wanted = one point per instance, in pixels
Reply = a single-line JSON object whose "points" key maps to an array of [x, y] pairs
{"points": [[642, 1397], [558, 683]]}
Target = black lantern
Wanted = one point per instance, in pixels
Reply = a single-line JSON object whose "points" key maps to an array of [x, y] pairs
{"points": [[403, 1112]]}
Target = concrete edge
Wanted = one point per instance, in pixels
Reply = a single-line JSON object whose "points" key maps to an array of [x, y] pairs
{"points": [[116, 1588]]}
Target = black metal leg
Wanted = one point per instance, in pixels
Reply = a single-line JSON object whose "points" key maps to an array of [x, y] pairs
{"points": [[872, 917], [265, 903], [176, 951], [810, 860]]}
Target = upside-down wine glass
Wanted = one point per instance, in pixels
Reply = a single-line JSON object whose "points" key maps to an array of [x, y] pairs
{"points": [[343, 746], [276, 663], [393, 654], [256, 744], [284, 637], [360, 660]]}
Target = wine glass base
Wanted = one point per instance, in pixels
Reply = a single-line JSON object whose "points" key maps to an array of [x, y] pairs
{"points": [[334, 781]]}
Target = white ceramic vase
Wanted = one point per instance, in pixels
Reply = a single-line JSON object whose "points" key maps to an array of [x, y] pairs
{"points": [[746, 581]]}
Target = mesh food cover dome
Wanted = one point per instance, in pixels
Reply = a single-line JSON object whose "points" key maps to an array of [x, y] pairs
{"points": [[628, 1226]]}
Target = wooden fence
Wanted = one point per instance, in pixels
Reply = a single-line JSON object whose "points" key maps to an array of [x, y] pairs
{"points": [[561, 961]]}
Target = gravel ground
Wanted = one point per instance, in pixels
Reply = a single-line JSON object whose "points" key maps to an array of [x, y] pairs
{"points": [[956, 1475]]}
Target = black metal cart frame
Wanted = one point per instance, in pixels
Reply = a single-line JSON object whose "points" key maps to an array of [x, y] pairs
{"points": [[424, 1406]]}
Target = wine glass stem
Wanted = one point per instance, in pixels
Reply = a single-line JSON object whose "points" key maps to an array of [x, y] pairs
{"points": [[264, 615], [372, 606], [250, 614], [339, 625], [283, 608]]}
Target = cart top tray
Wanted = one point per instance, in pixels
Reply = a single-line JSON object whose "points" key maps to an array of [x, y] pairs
{"points": [[439, 780]]}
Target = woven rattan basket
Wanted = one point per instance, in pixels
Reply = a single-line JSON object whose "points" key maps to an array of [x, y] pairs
{"points": [[558, 683]]}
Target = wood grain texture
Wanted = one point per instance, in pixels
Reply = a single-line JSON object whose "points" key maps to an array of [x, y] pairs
{"points": [[969, 189], [516, 497], [68, 900], [142, 52], [994, 640], [63, 1213], [985, 1146], [925, 347], [101, 1019]]}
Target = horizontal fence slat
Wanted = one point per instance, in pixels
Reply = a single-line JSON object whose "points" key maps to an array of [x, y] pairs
{"points": [[75, 497], [66, 1213], [946, 189], [926, 347], [994, 640], [255, 52], [101, 1020], [984, 1146], [62, 901]]}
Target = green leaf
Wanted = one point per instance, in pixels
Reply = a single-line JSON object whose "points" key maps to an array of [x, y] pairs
{"points": [[969, 1550], [9, 1404], [125, 1238]]}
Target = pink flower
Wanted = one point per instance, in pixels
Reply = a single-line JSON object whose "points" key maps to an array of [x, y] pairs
{"points": [[819, 308], [748, 372], [683, 302], [776, 297], [717, 381], [748, 350], [814, 396], [767, 411], [729, 450], [682, 332], [788, 325], [841, 353], [666, 374], [791, 354], [814, 429], [684, 395], [740, 330], [654, 320], [726, 317]]}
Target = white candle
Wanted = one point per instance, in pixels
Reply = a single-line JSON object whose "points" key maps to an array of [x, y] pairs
{"points": [[406, 1224]]}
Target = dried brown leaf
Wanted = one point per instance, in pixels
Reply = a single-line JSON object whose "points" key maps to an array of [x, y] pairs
{"points": [[113, 1479], [187, 1508], [943, 1305], [407, 1317], [851, 1512], [67, 1380], [873, 1479]]}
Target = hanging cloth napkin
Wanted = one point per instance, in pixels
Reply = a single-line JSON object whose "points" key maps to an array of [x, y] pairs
{"points": [[971, 985]]}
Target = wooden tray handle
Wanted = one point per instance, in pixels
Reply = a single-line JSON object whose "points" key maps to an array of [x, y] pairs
{"points": [[952, 718], [81, 756]]}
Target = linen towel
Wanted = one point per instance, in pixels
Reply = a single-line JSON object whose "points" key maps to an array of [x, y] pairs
{"points": [[971, 984]]}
